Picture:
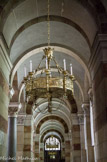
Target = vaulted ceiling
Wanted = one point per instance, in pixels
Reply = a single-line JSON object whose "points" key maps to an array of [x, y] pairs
{"points": [[73, 24]]}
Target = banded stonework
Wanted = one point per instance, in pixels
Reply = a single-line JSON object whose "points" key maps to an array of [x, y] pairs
{"points": [[82, 137], [5, 68], [27, 134], [76, 143], [3, 124], [27, 142], [99, 73], [53, 118], [3, 83], [67, 150]]}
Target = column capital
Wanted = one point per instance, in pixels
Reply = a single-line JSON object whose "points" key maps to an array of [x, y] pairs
{"points": [[90, 93], [21, 119], [81, 118], [86, 108], [13, 109]]}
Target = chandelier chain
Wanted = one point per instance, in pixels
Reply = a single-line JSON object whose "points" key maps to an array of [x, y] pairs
{"points": [[48, 19]]}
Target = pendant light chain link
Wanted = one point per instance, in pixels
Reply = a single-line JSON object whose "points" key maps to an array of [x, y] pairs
{"points": [[48, 19]]}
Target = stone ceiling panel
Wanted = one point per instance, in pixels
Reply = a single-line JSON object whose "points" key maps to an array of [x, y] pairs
{"points": [[72, 10], [61, 33], [52, 123], [10, 28], [25, 12]]}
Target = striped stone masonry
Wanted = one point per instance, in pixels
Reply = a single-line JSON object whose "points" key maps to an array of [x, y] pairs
{"points": [[82, 138], [5, 68], [67, 150], [20, 142], [41, 152], [27, 148], [98, 68], [27, 142], [76, 147]]}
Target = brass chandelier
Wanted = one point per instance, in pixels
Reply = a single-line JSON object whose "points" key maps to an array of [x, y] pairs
{"points": [[41, 83]]}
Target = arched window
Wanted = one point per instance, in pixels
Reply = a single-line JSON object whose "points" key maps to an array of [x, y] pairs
{"points": [[52, 143]]}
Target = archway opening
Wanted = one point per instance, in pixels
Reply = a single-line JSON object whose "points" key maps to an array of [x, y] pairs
{"points": [[52, 149]]}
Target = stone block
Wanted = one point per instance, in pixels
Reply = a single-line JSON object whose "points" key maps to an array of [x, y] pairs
{"points": [[77, 146], [75, 134], [27, 148], [27, 135], [27, 141], [20, 138], [20, 128], [27, 129], [75, 128], [20, 147]]}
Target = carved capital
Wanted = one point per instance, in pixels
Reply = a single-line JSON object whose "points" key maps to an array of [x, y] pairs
{"points": [[86, 108], [14, 108], [21, 119], [81, 118], [90, 93]]}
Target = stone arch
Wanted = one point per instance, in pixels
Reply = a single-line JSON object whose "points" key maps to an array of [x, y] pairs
{"points": [[54, 136], [52, 130], [52, 118], [35, 50], [13, 4], [52, 18]]}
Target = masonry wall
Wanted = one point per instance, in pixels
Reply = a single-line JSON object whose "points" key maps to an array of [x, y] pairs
{"points": [[5, 67], [99, 76]]}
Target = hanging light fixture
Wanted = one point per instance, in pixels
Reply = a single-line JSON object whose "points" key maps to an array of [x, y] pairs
{"points": [[41, 83]]}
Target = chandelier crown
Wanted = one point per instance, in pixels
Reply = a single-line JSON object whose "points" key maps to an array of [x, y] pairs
{"points": [[48, 52]]}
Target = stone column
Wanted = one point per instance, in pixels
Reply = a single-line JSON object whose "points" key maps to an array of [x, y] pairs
{"points": [[83, 151], [20, 136], [41, 152], [27, 149], [12, 131], [62, 150], [87, 131], [37, 146], [67, 148], [75, 131], [5, 69]]}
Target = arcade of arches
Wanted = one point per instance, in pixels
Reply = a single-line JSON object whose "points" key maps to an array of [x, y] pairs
{"points": [[76, 129]]}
